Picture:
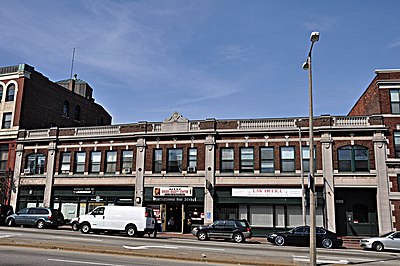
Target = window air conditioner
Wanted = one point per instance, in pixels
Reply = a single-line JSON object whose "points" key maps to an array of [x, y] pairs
{"points": [[191, 169], [126, 170], [27, 171]]}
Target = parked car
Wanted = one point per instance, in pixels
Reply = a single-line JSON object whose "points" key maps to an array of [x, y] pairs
{"points": [[39, 217], [130, 219], [5, 210], [74, 223], [237, 230], [301, 236], [389, 240]]}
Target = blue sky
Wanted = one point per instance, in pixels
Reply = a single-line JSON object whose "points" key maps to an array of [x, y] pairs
{"points": [[224, 59]]}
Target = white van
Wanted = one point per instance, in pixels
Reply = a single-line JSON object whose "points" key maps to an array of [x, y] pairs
{"points": [[130, 219]]}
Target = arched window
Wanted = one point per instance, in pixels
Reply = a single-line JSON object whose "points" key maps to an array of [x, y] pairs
{"points": [[1, 92], [77, 115], [35, 163], [10, 93], [65, 111], [353, 159]]}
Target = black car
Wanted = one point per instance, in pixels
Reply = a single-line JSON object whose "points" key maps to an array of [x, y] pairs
{"points": [[301, 236], [39, 217], [5, 210], [237, 230]]}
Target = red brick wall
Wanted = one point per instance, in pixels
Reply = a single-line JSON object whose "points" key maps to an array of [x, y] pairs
{"points": [[396, 213], [40, 104]]}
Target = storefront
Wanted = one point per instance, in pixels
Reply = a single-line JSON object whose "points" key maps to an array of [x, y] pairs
{"points": [[30, 196], [265, 208], [76, 201], [177, 208]]}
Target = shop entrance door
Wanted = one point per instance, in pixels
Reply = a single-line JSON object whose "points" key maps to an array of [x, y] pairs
{"points": [[174, 217]]}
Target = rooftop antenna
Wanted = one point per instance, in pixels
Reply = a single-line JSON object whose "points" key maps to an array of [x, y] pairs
{"points": [[72, 64]]}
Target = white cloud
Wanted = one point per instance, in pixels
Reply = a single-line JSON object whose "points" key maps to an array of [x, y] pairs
{"points": [[394, 44]]}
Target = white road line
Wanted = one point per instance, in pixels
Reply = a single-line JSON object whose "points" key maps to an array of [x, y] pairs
{"points": [[76, 238], [320, 261], [173, 247], [146, 247], [7, 236], [85, 262]]}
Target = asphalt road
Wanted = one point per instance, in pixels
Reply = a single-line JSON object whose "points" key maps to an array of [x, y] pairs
{"points": [[186, 250]]}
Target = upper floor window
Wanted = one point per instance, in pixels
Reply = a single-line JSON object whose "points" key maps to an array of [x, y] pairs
{"points": [[353, 159], [395, 101], [157, 161], [246, 160], [10, 93], [267, 160], [95, 160], [65, 111], [174, 160], [3, 157], [7, 117], [77, 114], [397, 144], [127, 162], [227, 160], [36, 163], [287, 159], [80, 159], [1, 92], [111, 162], [305, 155], [65, 162], [192, 160]]}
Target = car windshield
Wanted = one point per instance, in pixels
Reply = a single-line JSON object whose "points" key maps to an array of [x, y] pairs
{"points": [[387, 234]]}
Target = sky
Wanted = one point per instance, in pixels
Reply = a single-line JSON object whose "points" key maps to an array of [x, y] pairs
{"points": [[223, 59]]}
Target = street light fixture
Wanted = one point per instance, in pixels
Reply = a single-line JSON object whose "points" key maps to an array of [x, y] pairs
{"points": [[311, 180]]}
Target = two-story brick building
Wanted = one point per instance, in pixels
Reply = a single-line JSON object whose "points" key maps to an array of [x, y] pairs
{"points": [[207, 169], [30, 100]]}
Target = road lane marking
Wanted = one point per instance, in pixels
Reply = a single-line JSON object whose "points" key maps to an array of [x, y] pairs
{"points": [[10, 235], [172, 247], [146, 247], [320, 261], [85, 262], [77, 238]]}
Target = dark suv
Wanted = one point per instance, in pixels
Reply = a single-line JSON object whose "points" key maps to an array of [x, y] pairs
{"points": [[39, 217], [5, 210], [238, 230]]}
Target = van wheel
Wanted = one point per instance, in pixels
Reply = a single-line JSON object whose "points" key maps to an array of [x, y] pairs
{"points": [[40, 224], [130, 230], [11, 222], [85, 228], [202, 236]]}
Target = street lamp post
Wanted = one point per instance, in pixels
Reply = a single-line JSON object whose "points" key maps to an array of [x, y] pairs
{"points": [[307, 66]]}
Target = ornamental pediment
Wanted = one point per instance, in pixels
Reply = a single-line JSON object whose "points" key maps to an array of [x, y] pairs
{"points": [[176, 122]]}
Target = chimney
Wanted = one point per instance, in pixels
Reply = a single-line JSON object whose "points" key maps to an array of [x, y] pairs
{"points": [[71, 86]]}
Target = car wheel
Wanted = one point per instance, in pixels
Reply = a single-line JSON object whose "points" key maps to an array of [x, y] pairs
{"points": [[75, 227], [11, 222], [279, 241], [202, 236], [130, 230], [85, 228], [40, 224], [378, 246], [238, 237], [327, 243]]}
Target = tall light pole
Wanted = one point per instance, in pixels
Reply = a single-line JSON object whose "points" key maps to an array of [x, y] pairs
{"points": [[307, 66]]}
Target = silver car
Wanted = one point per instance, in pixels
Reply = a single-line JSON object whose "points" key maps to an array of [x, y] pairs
{"points": [[387, 241]]}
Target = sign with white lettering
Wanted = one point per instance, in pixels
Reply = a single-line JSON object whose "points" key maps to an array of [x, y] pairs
{"points": [[267, 192], [173, 191]]}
